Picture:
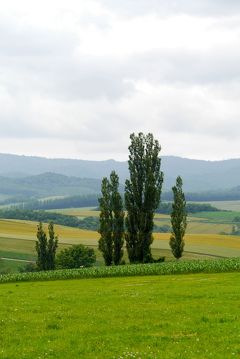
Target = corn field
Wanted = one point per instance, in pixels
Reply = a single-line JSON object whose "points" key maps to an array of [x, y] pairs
{"points": [[178, 267]]}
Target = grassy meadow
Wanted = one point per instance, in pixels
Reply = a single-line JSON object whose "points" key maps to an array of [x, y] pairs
{"points": [[186, 316], [144, 317]]}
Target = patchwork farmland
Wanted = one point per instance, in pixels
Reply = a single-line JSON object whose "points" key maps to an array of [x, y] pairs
{"points": [[203, 239]]}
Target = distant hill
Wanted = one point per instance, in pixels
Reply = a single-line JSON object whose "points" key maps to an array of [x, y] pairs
{"points": [[22, 166], [197, 175], [47, 184], [52, 186]]}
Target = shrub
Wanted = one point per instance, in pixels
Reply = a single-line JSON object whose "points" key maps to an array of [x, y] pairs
{"points": [[29, 267], [75, 257]]}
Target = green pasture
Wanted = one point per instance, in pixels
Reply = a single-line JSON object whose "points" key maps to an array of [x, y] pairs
{"points": [[10, 266], [218, 217], [178, 316]]}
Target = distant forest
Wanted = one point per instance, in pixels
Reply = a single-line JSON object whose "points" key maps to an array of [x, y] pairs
{"points": [[89, 223], [92, 201]]}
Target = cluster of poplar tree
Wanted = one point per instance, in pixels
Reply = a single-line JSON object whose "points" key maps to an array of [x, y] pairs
{"points": [[141, 200]]}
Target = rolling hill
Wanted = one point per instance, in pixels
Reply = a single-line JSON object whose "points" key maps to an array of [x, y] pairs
{"points": [[198, 175]]}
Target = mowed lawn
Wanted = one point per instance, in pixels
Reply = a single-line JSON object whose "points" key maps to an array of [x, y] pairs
{"points": [[183, 316]]}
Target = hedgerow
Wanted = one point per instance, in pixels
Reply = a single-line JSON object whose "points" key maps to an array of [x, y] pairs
{"points": [[178, 267]]}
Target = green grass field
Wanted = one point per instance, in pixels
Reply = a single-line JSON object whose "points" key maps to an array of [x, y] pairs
{"points": [[218, 217], [184, 316]]}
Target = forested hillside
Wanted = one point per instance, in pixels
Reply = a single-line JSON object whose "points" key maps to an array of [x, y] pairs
{"points": [[198, 175]]}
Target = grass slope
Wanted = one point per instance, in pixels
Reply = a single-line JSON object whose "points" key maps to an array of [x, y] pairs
{"points": [[188, 316]]}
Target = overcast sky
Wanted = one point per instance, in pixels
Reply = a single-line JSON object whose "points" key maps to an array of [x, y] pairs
{"points": [[78, 76]]}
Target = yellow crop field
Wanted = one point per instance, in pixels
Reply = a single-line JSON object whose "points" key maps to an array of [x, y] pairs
{"points": [[213, 244], [19, 236], [27, 230], [78, 212], [88, 212], [208, 228]]}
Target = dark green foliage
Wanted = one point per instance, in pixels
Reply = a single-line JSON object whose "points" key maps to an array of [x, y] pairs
{"points": [[105, 243], [46, 248], [111, 221], [41, 248], [91, 223], [29, 267], [166, 208], [117, 219], [90, 200], [142, 195], [232, 194], [178, 220], [75, 257], [51, 246]]}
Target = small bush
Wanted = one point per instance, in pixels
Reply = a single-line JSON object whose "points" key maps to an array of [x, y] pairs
{"points": [[159, 260], [75, 257], [29, 267]]}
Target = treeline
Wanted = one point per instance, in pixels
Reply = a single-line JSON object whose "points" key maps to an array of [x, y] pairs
{"points": [[223, 195], [90, 223], [92, 201], [166, 208]]}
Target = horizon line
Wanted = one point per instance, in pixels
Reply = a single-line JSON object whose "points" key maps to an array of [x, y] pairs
{"points": [[112, 159]]}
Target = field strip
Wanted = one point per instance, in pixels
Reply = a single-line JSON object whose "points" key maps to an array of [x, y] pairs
{"points": [[16, 260]]}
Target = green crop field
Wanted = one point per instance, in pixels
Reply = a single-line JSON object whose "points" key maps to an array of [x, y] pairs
{"points": [[178, 316], [218, 217]]}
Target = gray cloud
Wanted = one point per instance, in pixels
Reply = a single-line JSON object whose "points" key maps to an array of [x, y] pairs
{"points": [[53, 86], [162, 7]]}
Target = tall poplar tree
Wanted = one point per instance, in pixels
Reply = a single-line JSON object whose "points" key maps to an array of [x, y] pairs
{"points": [[142, 195], [178, 219], [46, 248], [52, 246], [111, 221], [117, 218], [105, 243], [41, 248]]}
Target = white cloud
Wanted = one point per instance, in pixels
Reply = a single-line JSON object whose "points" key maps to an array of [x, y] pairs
{"points": [[77, 77]]}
